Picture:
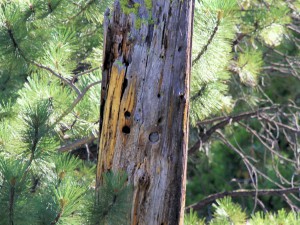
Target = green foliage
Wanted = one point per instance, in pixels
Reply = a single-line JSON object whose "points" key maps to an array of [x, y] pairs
{"points": [[282, 217], [267, 25], [12, 184], [113, 201], [262, 70], [57, 193], [45, 187], [192, 219], [227, 212], [254, 27], [68, 201], [45, 99], [249, 66], [44, 45], [36, 136], [212, 172], [214, 33], [27, 190]]}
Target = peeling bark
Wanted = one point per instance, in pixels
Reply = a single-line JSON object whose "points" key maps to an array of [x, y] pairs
{"points": [[144, 106]]}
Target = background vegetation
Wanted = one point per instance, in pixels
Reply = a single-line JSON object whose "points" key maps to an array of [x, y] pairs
{"points": [[245, 100]]}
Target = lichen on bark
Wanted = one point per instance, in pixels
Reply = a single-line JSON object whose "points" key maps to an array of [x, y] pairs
{"points": [[130, 7]]}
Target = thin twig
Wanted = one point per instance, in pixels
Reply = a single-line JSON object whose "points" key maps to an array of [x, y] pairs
{"points": [[86, 72], [264, 144], [82, 9], [57, 75], [245, 160], [240, 193], [76, 101], [242, 115], [225, 121]]}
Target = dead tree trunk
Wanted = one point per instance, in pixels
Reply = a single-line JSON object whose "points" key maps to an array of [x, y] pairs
{"points": [[144, 104]]}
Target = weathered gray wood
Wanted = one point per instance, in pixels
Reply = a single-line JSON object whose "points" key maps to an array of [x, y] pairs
{"points": [[144, 106]]}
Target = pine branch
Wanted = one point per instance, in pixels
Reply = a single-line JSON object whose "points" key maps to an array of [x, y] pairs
{"points": [[57, 75], [241, 193], [86, 72], [16, 46], [79, 93], [294, 28], [76, 101], [109, 207], [12, 202], [50, 7], [203, 50], [83, 9], [199, 93], [58, 216], [10, 34], [77, 143]]}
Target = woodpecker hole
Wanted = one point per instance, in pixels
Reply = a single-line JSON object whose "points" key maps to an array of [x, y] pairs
{"points": [[159, 120], [127, 114], [126, 130], [154, 137]]}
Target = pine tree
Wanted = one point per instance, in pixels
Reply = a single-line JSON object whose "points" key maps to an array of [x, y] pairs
{"points": [[256, 138]]}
